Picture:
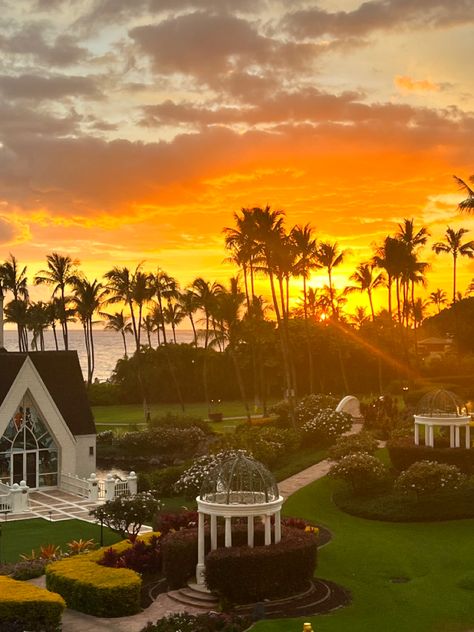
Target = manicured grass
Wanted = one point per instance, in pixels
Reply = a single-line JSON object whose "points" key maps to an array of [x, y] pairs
{"points": [[112, 416], [298, 461], [364, 555], [21, 536]]}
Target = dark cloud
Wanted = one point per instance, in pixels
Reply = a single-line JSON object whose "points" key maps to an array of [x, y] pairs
{"points": [[7, 230], [379, 14], [18, 121], [52, 87], [64, 50], [88, 175], [205, 45]]}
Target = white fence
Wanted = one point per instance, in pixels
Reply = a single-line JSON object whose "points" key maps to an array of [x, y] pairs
{"points": [[5, 503], [74, 485], [99, 490]]}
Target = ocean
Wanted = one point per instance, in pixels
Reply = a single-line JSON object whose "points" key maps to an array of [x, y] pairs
{"points": [[108, 347]]}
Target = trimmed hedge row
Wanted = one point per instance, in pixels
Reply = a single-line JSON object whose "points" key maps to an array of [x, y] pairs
{"points": [[245, 575], [94, 589], [404, 453], [29, 607]]}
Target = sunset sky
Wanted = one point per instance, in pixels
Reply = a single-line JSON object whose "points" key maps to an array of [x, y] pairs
{"points": [[132, 129]]}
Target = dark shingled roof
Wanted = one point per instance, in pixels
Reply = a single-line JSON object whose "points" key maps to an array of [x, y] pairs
{"points": [[62, 376]]}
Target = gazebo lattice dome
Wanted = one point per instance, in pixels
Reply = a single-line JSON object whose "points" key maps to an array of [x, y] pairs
{"points": [[440, 408], [239, 480], [239, 487], [441, 403]]}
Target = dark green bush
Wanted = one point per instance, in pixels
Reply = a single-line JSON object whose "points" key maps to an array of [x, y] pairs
{"points": [[241, 574], [365, 473], [208, 622], [172, 420], [403, 453], [103, 394], [361, 442], [25, 569], [161, 480]]}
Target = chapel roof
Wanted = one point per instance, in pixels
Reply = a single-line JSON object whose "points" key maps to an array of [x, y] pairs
{"points": [[62, 376]]}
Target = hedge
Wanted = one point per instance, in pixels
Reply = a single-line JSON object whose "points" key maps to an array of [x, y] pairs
{"points": [[404, 453], [241, 574], [179, 551], [29, 607], [94, 589]]}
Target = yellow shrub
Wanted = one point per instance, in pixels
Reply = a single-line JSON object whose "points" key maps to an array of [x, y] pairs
{"points": [[29, 605]]}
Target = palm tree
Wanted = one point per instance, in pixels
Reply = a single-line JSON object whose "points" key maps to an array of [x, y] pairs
{"points": [[205, 294], [87, 299], [165, 287], [454, 246], [359, 317], [38, 320], [14, 279], [141, 292], [119, 323], [306, 260], [330, 257], [438, 298], [466, 205], [188, 302], [61, 272], [173, 314], [148, 325], [120, 287], [16, 311], [367, 282]]}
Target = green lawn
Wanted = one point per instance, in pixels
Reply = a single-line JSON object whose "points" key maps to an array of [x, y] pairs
{"points": [[109, 417], [20, 536], [364, 555]]}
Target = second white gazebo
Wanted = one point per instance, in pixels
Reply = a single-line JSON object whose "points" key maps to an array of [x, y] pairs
{"points": [[240, 487], [440, 409]]}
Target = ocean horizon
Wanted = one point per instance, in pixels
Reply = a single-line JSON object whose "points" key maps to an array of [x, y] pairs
{"points": [[108, 347]]}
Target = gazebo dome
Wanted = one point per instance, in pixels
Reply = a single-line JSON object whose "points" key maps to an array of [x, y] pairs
{"points": [[441, 403], [239, 480]]}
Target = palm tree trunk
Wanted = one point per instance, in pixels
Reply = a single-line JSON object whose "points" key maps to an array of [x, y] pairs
{"points": [[124, 343], [454, 276], [389, 286], [55, 335], [194, 329], [371, 303], [308, 338], [240, 382]]}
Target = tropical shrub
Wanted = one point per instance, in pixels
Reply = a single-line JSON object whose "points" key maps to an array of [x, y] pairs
{"points": [[360, 442], [404, 453], [326, 426], [362, 471], [25, 569], [208, 622], [162, 480], [309, 407], [428, 477], [106, 437], [246, 575], [190, 482], [267, 444], [282, 410], [127, 514], [144, 556], [175, 521], [31, 607], [180, 421], [45, 552], [161, 440]]}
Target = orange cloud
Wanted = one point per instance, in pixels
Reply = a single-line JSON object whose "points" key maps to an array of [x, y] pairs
{"points": [[407, 84]]}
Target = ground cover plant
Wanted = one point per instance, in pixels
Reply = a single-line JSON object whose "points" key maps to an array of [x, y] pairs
{"points": [[402, 577]]}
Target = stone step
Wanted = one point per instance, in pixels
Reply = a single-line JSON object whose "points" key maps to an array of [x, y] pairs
{"points": [[186, 600], [205, 597]]}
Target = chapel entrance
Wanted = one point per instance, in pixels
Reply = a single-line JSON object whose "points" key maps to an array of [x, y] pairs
{"points": [[28, 451]]}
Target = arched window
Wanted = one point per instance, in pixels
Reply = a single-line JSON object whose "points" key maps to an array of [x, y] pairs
{"points": [[28, 450]]}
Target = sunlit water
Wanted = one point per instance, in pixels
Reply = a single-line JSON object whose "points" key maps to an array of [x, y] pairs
{"points": [[108, 347]]}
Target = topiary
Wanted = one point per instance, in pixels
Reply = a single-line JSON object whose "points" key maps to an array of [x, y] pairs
{"points": [[309, 407], [326, 426]]}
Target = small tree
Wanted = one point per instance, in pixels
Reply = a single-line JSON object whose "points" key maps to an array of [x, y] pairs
{"points": [[360, 442], [127, 514], [361, 470], [429, 477]]}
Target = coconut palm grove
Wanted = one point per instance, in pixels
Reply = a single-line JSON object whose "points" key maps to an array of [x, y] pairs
{"points": [[236, 316]]}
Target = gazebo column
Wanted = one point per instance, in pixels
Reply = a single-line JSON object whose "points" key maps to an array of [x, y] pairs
{"points": [[213, 532], [228, 532], [277, 527], [431, 436], [427, 435], [268, 529], [200, 565], [417, 434], [468, 437], [457, 436], [451, 436], [250, 531]]}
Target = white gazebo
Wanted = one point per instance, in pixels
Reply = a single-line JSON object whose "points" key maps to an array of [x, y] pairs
{"points": [[439, 409], [239, 487]]}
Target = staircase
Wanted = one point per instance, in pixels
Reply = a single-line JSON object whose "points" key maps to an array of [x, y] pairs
{"points": [[195, 596]]}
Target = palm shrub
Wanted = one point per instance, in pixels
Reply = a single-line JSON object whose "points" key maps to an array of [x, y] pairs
{"points": [[429, 477], [360, 442], [364, 472]]}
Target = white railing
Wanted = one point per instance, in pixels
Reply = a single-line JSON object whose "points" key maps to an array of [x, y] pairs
{"points": [[74, 485], [5, 504], [121, 488], [4, 489]]}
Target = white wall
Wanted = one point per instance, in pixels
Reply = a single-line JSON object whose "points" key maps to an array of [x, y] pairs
{"points": [[85, 463]]}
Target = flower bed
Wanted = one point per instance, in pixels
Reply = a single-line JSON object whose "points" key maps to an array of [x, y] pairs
{"points": [[29, 607]]}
